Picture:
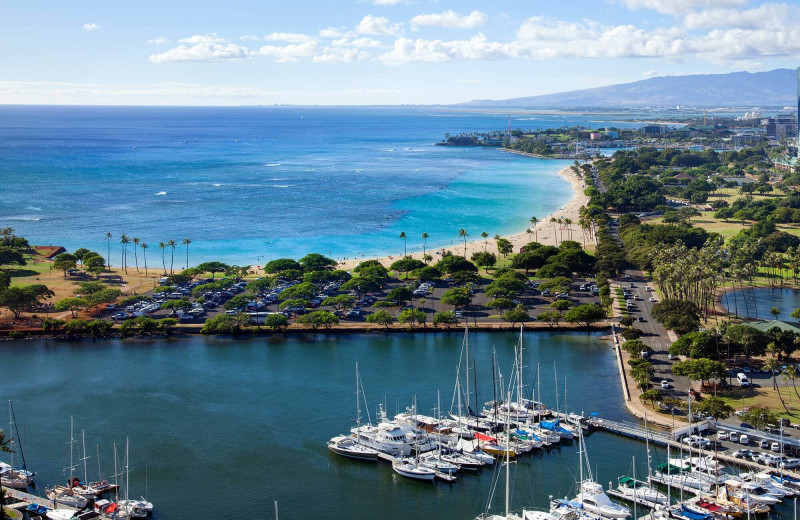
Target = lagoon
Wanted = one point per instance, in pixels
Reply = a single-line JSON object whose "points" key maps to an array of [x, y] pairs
{"points": [[757, 302]]}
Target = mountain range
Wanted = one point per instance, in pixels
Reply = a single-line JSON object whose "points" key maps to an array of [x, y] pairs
{"points": [[736, 89]]}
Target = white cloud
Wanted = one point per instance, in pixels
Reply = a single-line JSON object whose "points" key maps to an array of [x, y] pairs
{"points": [[203, 52], [652, 74], [340, 55], [287, 37], [478, 47], [90, 27], [377, 26], [362, 43], [761, 17], [333, 32], [249, 37], [203, 38], [390, 2], [681, 7], [158, 40], [450, 19], [289, 53]]}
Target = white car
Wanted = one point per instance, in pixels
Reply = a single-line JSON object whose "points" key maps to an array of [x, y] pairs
{"points": [[722, 435], [665, 384], [652, 299]]}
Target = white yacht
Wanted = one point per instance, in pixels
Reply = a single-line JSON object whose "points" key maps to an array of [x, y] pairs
{"points": [[633, 489], [347, 446], [594, 500], [412, 469]]}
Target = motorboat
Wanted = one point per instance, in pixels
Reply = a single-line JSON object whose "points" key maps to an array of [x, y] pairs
{"points": [[634, 490], [435, 462], [133, 508], [769, 483], [347, 446], [462, 460], [594, 500], [749, 492]]}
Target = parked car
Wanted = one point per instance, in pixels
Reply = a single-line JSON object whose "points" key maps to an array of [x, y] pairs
{"points": [[665, 384], [743, 454], [744, 439], [722, 435]]}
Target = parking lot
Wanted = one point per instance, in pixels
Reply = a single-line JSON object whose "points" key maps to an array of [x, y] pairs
{"points": [[426, 298]]}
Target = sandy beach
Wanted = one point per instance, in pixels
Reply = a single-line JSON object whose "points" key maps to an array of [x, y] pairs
{"points": [[547, 234]]}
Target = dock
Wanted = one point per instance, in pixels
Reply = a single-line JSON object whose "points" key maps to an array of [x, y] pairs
{"points": [[661, 479]]}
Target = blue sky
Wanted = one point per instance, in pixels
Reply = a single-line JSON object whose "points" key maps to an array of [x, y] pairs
{"points": [[373, 51]]}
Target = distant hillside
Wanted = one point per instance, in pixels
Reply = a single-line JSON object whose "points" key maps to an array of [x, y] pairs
{"points": [[773, 88]]}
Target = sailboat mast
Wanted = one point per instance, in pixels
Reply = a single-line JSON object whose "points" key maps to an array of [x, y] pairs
{"points": [[538, 387], [475, 385], [358, 403], [127, 468], [494, 388], [566, 408], [10, 429], [555, 379], [634, 486], [466, 353], [19, 438], [85, 473], [71, 440], [99, 471], [508, 448]]}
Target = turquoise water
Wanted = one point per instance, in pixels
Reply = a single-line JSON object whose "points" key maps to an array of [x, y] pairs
{"points": [[247, 184], [222, 427]]}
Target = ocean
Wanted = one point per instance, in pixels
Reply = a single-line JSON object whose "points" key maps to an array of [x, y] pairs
{"points": [[248, 184]]}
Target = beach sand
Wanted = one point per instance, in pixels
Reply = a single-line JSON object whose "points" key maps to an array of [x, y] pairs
{"points": [[547, 234]]}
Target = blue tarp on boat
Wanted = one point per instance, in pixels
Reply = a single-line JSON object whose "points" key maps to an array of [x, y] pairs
{"points": [[694, 515], [550, 425]]}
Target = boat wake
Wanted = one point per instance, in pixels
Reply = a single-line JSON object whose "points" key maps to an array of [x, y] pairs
{"points": [[271, 165], [161, 193]]}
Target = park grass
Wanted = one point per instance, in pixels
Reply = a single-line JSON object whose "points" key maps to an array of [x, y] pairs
{"points": [[740, 398]]}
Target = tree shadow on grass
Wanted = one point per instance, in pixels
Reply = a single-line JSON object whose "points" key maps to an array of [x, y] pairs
{"points": [[19, 273]]}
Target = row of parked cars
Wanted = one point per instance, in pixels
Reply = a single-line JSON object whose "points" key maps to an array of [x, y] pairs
{"points": [[767, 459]]}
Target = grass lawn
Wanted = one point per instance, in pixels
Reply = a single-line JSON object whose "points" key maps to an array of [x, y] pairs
{"points": [[740, 398]]}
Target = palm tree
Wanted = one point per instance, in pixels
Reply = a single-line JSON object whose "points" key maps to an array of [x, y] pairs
{"points": [[463, 233], [773, 366], [108, 258], [553, 221], [403, 236], [425, 237], [162, 246], [484, 236], [5, 443], [124, 240], [533, 222], [135, 256], [143, 245], [568, 223], [171, 244], [529, 231], [561, 227], [186, 242], [791, 372]]}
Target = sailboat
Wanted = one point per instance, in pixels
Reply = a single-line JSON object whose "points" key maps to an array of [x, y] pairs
{"points": [[508, 515], [348, 446], [433, 459], [591, 496], [12, 476], [67, 495], [132, 508]]}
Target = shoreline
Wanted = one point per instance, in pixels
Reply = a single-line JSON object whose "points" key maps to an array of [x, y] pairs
{"points": [[545, 231]]}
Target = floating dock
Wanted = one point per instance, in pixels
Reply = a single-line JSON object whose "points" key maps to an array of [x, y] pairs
{"points": [[639, 500]]}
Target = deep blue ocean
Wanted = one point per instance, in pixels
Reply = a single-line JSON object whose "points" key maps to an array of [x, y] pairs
{"points": [[247, 184]]}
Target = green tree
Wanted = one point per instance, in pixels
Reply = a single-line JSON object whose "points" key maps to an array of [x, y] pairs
{"points": [[94, 263], [504, 246], [585, 313], [457, 297], [527, 260], [167, 325], [185, 242], [483, 259], [412, 316], [301, 291], [425, 238], [5, 280], [400, 294], [10, 256], [316, 319], [225, 324], [501, 304], [462, 233], [136, 242], [19, 299], [381, 317], [316, 262], [79, 254], [651, 395], [65, 262], [294, 303], [407, 264], [339, 302], [550, 317], [172, 244], [405, 249], [561, 305], [281, 264], [71, 304], [213, 268], [427, 274], [361, 284], [276, 321], [699, 369], [446, 318], [176, 305], [714, 407], [760, 417], [517, 314], [680, 316]]}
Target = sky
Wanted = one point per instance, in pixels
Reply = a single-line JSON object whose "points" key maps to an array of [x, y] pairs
{"points": [[373, 52]]}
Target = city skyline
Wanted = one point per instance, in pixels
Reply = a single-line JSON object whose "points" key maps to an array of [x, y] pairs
{"points": [[375, 52]]}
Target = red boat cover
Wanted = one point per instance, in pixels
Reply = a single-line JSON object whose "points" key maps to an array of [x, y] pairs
{"points": [[482, 437]]}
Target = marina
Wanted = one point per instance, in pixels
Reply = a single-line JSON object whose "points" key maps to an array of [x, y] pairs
{"points": [[201, 419]]}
